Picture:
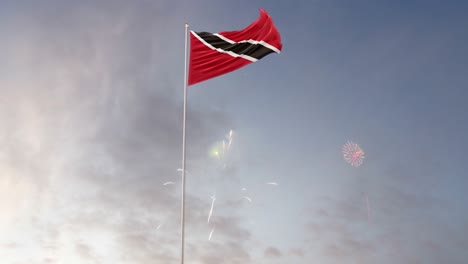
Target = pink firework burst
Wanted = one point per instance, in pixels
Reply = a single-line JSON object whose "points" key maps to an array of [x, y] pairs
{"points": [[353, 154]]}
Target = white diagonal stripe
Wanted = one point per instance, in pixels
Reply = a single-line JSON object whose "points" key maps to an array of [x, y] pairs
{"points": [[251, 41], [223, 51]]}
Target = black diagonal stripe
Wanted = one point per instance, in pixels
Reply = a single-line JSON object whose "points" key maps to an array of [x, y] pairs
{"points": [[256, 51]]}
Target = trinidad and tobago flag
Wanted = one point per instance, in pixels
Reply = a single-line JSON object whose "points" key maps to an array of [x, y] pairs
{"points": [[215, 54]]}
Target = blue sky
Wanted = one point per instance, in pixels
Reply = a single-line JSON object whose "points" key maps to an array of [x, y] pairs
{"points": [[91, 108]]}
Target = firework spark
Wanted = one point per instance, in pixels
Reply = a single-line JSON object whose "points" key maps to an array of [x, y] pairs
{"points": [[243, 189], [272, 183], [186, 172], [248, 199], [211, 233], [229, 138], [353, 154], [167, 183], [213, 198]]}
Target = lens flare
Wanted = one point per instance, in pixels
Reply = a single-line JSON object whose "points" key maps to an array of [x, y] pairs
{"points": [[220, 149], [216, 151]]}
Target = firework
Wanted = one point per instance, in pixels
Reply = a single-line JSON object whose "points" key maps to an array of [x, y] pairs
{"points": [[213, 198], [186, 172], [211, 233], [220, 149], [167, 183], [248, 199], [353, 154], [229, 138]]}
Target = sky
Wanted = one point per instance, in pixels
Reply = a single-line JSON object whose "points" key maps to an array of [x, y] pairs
{"points": [[91, 99]]}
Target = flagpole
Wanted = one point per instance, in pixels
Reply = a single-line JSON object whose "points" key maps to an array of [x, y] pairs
{"points": [[182, 211]]}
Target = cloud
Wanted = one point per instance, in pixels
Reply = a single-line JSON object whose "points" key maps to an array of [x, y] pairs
{"points": [[84, 251], [10, 245], [398, 227], [230, 253], [272, 252], [91, 114], [299, 252]]}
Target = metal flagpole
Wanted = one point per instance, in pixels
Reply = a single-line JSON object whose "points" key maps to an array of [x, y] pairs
{"points": [[182, 211]]}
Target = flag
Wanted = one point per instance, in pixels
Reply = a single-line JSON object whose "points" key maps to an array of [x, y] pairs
{"points": [[215, 54]]}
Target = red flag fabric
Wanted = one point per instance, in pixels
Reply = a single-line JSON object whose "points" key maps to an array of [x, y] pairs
{"points": [[212, 55]]}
